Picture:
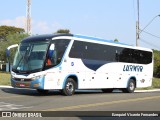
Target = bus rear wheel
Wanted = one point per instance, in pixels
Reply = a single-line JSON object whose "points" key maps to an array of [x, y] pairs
{"points": [[131, 87], [107, 90], [69, 87]]}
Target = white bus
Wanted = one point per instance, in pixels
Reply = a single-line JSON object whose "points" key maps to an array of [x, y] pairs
{"points": [[67, 62]]}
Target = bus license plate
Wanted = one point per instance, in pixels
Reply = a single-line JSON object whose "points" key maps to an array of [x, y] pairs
{"points": [[22, 85]]}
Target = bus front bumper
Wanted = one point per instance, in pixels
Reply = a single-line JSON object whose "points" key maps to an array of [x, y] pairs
{"points": [[28, 83]]}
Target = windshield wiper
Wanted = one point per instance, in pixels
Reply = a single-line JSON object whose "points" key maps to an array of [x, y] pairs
{"points": [[23, 58]]}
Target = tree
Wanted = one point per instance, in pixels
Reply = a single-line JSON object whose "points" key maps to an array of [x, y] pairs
{"points": [[6, 30], [116, 40], [10, 40], [67, 31], [9, 35], [156, 63]]}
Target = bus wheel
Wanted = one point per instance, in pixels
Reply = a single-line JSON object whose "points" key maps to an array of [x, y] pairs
{"points": [[131, 87], [69, 87], [40, 91], [107, 90]]}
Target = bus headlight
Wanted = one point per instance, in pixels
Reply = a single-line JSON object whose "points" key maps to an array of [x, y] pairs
{"points": [[37, 77], [12, 77]]}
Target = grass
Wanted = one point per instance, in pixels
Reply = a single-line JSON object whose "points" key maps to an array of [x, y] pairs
{"points": [[156, 83], [5, 80]]}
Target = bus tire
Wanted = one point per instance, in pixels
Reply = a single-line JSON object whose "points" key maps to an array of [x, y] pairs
{"points": [[130, 87], [69, 87], [107, 90], [40, 91]]}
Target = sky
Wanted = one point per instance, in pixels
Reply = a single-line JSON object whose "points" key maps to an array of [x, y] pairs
{"points": [[107, 19]]}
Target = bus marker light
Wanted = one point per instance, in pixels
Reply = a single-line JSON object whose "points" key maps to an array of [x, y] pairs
{"points": [[36, 85]]}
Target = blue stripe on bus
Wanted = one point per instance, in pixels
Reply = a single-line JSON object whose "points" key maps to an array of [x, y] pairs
{"points": [[98, 39], [94, 64]]}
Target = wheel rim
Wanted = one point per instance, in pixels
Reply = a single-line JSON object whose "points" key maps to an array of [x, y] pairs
{"points": [[131, 86], [70, 87]]}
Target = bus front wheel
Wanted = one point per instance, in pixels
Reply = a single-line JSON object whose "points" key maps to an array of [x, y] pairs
{"points": [[69, 87], [130, 87]]}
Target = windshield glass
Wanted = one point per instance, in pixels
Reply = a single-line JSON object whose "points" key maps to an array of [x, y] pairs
{"points": [[36, 56], [30, 56]]}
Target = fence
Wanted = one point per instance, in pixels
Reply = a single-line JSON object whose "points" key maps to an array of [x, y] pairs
{"points": [[4, 66]]}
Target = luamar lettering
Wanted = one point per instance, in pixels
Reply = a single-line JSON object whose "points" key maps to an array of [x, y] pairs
{"points": [[133, 68]]}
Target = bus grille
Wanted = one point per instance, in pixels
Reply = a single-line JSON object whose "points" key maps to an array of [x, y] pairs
{"points": [[22, 79]]}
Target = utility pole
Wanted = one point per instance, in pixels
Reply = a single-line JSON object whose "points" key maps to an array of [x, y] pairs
{"points": [[137, 25], [28, 15]]}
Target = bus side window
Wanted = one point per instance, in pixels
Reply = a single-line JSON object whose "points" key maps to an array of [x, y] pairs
{"points": [[51, 58]]}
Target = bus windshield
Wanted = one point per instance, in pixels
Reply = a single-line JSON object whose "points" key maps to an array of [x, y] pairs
{"points": [[34, 56], [30, 56]]}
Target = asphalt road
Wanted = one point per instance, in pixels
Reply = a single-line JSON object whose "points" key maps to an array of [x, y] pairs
{"points": [[29, 100]]}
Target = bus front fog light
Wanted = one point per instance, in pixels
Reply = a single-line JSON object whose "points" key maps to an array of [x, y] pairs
{"points": [[36, 85]]}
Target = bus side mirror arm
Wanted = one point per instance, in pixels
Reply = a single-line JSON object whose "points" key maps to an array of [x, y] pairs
{"points": [[8, 49], [8, 53]]}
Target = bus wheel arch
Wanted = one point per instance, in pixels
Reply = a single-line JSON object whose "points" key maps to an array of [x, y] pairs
{"points": [[70, 85], [131, 85], [75, 80]]}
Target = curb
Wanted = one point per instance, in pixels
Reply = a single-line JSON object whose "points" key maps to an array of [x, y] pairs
{"points": [[4, 86], [153, 90], [137, 91]]}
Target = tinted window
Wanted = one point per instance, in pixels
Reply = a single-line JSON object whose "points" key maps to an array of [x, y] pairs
{"points": [[55, 56], [60, 47], [134, 56], [93, 51]]}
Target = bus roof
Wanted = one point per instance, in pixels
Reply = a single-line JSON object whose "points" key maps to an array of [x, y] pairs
{"points": [[99, 39], [112, 42], [48, 37], [45, 37]]}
